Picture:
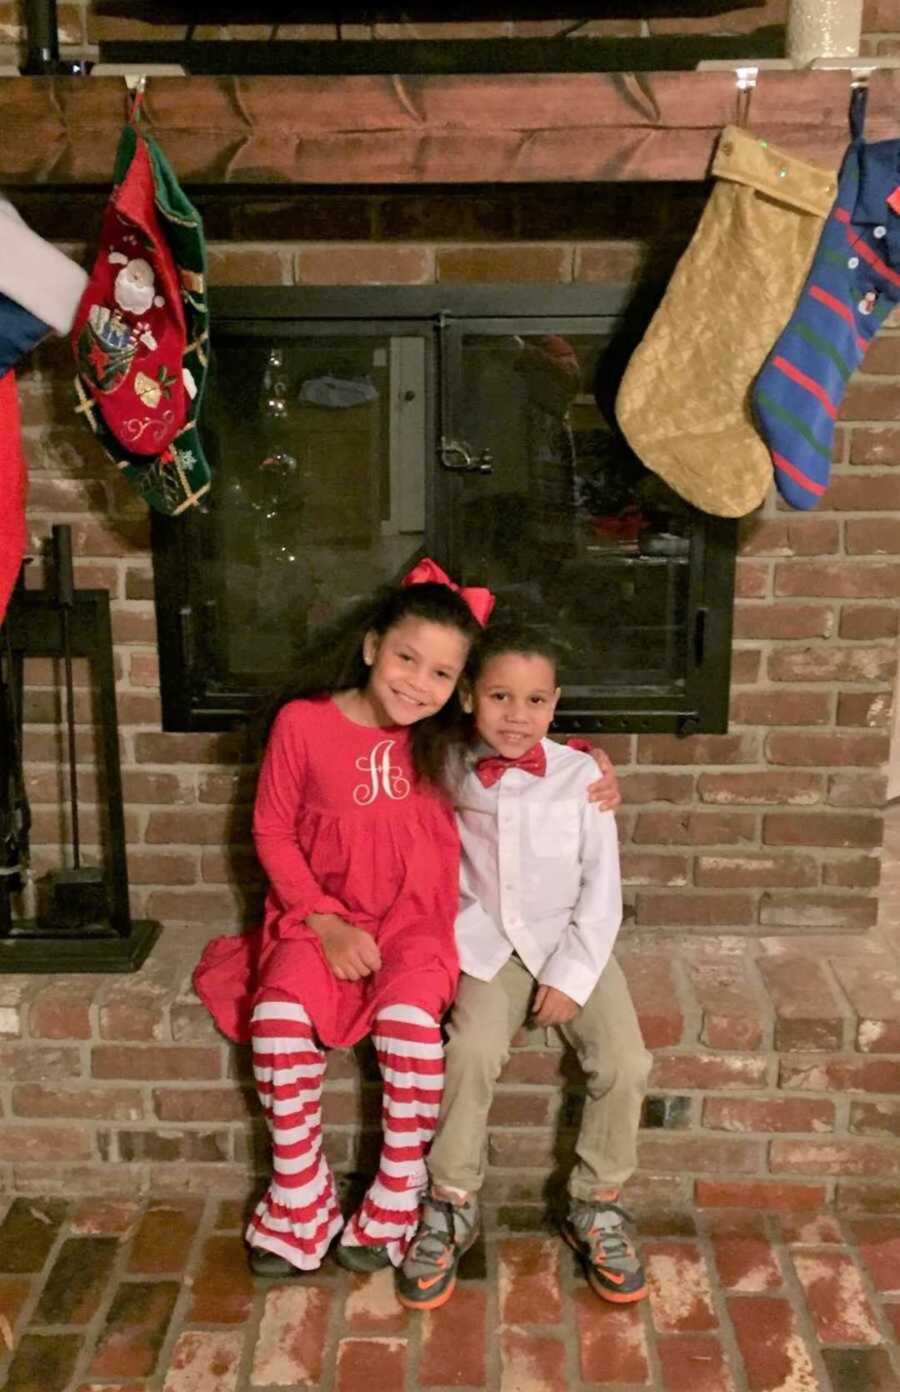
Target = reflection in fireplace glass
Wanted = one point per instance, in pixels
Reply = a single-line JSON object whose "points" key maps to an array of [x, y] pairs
{"points": [[569, 523], [323, 494]]}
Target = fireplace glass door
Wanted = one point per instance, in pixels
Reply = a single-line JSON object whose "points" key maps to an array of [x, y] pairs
{"points": [[350, 433], [560, 519], [317, 451]]}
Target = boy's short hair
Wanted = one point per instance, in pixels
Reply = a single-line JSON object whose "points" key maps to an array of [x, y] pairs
{"points": [[513, 636]]}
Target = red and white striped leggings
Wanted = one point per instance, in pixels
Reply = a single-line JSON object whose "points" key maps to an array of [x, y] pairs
{"points": [[299, 1215]]}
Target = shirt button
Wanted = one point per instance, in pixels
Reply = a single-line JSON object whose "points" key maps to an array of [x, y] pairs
{"points": [[853, 262], [879, 231]]}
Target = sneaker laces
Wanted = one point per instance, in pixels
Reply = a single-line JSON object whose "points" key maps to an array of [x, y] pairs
{"points": [[609, 1230], [603, 1225], [435, 1240]]}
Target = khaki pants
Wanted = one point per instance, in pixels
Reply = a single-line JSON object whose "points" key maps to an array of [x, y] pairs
{"points": [[607, 1039]]}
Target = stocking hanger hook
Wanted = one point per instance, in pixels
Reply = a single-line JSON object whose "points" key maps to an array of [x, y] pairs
{"points": [[136, 86], [746, 84]]}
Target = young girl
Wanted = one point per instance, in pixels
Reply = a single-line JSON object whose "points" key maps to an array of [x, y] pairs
{"points": [[362, 854]]}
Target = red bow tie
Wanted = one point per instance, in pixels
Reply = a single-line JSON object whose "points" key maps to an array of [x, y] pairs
{"points": [[493, 766]]}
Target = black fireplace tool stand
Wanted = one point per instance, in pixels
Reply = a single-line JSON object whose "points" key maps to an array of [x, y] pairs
{"points": [[37, 625]]}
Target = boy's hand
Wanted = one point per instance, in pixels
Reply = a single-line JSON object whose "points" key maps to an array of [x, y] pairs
{"points": [[553, 1007], [352, 953], [605, 791]]}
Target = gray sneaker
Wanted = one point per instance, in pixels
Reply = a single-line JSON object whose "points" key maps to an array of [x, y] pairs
{"points": [[427, 1278], [597, 1231]]}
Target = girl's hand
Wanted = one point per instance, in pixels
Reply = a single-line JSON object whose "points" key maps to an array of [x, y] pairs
{"points": [[605, 791], [352, 953], [553, 1007]]}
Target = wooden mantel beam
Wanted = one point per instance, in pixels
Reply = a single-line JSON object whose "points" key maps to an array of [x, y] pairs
{"points": [[509, 128]]}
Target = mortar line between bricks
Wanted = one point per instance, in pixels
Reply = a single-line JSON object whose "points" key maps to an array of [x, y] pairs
{"points": [[797, 1298], [569, 1322], [686, 1001], [250, 1329], [757, 983], [727, 1336], [768, 1043], [875, 1299], [413, 1351], [651, 1335], [849, 1017], [185, 1279], [493, 1361], [334, 1329], [91, 1331], [86, 1059], [842, 1110], [118, 1277], [31, 1303]]}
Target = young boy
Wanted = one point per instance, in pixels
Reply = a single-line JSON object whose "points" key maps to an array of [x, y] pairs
{"points": [[540, 907]]}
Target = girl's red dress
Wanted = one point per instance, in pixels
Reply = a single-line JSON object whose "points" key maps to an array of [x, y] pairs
{"points": [[342, 826]]}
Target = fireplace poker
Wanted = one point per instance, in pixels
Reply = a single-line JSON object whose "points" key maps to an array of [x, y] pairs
{"points": [[78, 897]]}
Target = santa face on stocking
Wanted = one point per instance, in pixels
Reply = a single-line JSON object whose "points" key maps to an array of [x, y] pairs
{"points": [[129, 332], [135, 286]]}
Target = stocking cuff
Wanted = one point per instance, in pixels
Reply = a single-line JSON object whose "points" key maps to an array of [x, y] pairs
{"points": [[745, 159]]}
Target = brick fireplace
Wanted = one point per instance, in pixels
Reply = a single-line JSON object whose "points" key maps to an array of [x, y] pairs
{"points": [[750, 859]]}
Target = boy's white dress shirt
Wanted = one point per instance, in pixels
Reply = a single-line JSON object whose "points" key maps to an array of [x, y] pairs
{"points": [[539, 873]]}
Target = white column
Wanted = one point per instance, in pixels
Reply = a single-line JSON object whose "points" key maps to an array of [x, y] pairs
{"points": [[823, 29]]}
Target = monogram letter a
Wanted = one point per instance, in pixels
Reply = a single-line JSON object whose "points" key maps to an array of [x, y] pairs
{"points": [[383, 776]]}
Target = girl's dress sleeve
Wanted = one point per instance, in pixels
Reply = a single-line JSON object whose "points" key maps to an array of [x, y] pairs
{"points": [[279, 797]]}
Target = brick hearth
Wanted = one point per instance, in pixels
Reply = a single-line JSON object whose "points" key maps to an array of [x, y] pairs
{"points": [[129, 1291], [775, 1083]]}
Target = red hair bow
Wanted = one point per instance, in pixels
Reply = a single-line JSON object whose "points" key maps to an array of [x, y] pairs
{"points": [[428, 572]]}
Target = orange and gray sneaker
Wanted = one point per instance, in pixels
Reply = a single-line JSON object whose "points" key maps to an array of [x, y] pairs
{"points": [[596, 1230], [446, 1231]]}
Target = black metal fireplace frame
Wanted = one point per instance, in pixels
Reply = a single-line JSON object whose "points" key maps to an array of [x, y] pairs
{"points": [[194, 700]]}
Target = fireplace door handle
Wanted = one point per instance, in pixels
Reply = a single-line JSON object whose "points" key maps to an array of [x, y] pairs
{"points": [[462, 459]]}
